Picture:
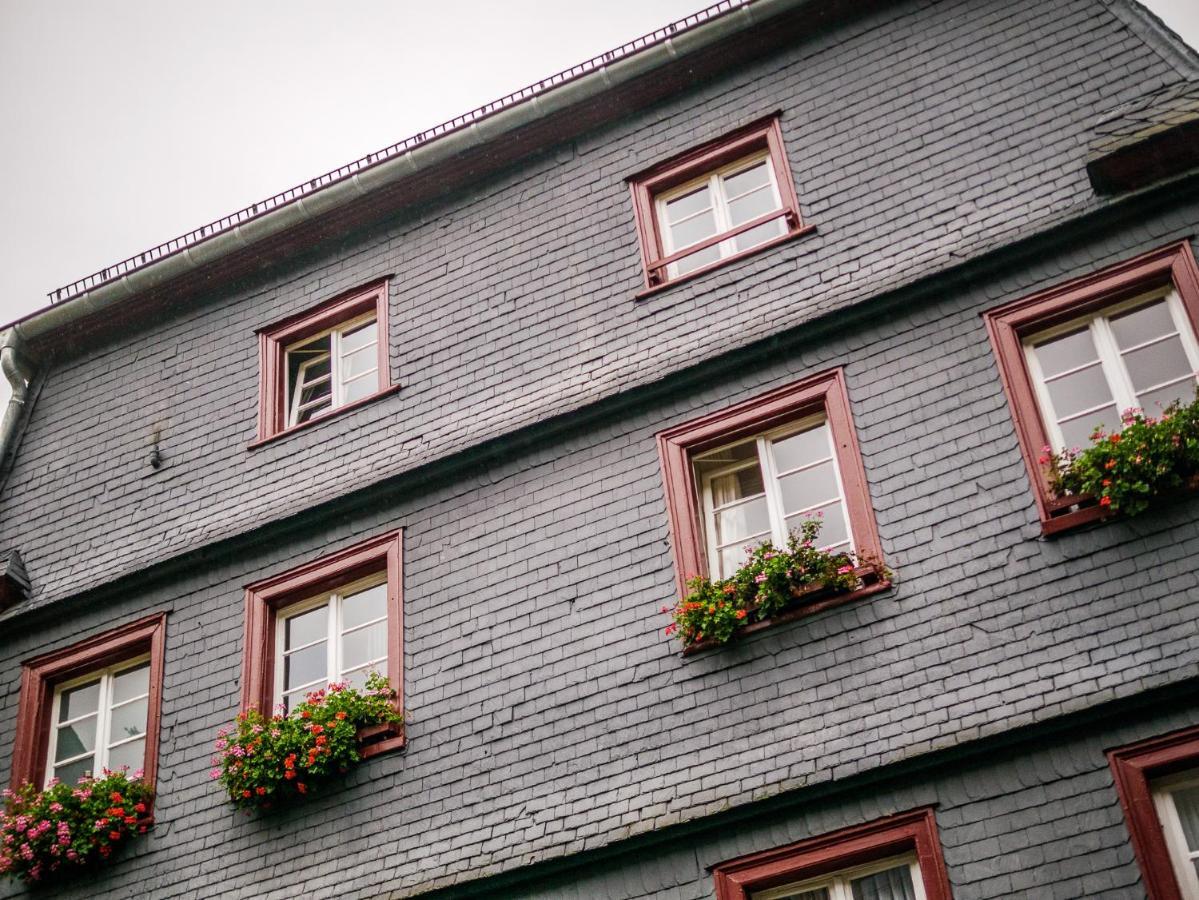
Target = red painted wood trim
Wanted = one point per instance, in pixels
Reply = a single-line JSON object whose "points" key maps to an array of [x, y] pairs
{"points": [[1008, 325], [265, 598], [272, 340], [762, 134], [915, 830], [1132, 768], [678, 445], [324, 417], [40, 675]]}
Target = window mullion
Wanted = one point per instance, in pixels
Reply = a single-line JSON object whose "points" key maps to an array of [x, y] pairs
{"points": [[1114, 369], [774, 496], [333, 655], [103, 717], [720, 212], [335, 367]]}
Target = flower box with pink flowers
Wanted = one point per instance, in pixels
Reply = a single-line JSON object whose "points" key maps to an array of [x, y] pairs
{"points": [[774, 585], [68, 829], [264, 762]]}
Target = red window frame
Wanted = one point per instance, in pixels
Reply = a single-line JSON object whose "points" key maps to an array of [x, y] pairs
{"points": [[677, 447], [907, 832], [1133, 767], [266, 598], [274, 340], [40, 676], [1008, 325], [764, 134]]}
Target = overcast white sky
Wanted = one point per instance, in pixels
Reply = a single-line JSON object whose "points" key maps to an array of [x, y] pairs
{"points": [[124, 123]]}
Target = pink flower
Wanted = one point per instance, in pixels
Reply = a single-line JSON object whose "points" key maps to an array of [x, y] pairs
{"points": [[845, 570], [760, 577], [214, 774]]}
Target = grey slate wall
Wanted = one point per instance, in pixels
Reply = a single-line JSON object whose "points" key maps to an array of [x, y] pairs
{"points": [[919, 136], [549, 713]]}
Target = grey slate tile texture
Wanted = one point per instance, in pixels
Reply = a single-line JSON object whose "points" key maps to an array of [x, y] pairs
{"points": [[549, 713]]}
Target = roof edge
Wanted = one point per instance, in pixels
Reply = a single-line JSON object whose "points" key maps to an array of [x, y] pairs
{"points": [[1151, 29], [310, 200]]}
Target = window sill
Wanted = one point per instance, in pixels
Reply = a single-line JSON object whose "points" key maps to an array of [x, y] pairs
{"points": [[324, 417], [375, 740], [811, 600], [720, 263], [1071, 512]]}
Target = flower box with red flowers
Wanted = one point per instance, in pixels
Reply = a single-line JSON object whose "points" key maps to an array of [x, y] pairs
{"points": [[773, 586], [67, 829], [1148, 460], [265, 762]]}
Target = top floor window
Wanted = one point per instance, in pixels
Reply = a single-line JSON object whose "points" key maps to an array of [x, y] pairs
{"points": [[327, 359], [721, 201], [1078, 355]]}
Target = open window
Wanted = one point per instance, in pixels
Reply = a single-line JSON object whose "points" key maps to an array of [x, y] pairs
{"points": [[1079, 355], [327, 360], [92, 706], [721, 201]]}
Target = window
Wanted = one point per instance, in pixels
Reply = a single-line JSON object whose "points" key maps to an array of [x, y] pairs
{"points": [[326, 360], [895, 858], [92, 706], [1158, 784], [721, 201], [755, 471], [336, 619], [1078, 355]]}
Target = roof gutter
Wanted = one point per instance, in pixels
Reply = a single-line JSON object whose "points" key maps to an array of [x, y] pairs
{"points": [[19, 375], [488, 128]]}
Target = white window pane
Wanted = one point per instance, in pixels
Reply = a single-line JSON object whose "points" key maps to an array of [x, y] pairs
{"points": [[834, 529], [77, 738], [694, 230], [79, 701], [359, 361], [131, 683], [359, 337], [305, 666], [800, 449], [688, 204], [357, 678], [758, 235], [364, 606], [733, 557], [132, 756], [1066, 352], [892, 884], [737, 523], [817, 894], [697, 260], [754, 204], [1157, 363], [1186, 801], [128, 720], [1073, 393], [1077, 432], [743, 483], [1142, 324], [746, 180], [361, 387], [809, 487], [306, 627], [72, 772], [364, 645], [1153, 402]]}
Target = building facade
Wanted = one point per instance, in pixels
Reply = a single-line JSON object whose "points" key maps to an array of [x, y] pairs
{"points": [[529, 372]]}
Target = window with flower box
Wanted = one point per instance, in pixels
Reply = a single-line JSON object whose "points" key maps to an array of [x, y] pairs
{"points": [[326, 360], [92, 706], [1158, 784], [718, 202], [337, 619], [757, 470], [895, 858], [1079, 355]]}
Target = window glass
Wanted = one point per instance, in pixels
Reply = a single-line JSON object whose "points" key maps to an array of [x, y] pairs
{"points": [[896, 879], [332, 369], [100, 723]]}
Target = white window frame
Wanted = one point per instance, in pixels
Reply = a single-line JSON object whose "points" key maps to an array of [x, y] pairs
{"points": [[339, 381], [333, 635], [770, 480], [720, 205], [104, 709], [838, 883], [1124, 395], [1167, 814]]}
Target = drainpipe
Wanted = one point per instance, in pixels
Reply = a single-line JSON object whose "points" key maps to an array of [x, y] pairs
{"points": [[18, 375]]}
